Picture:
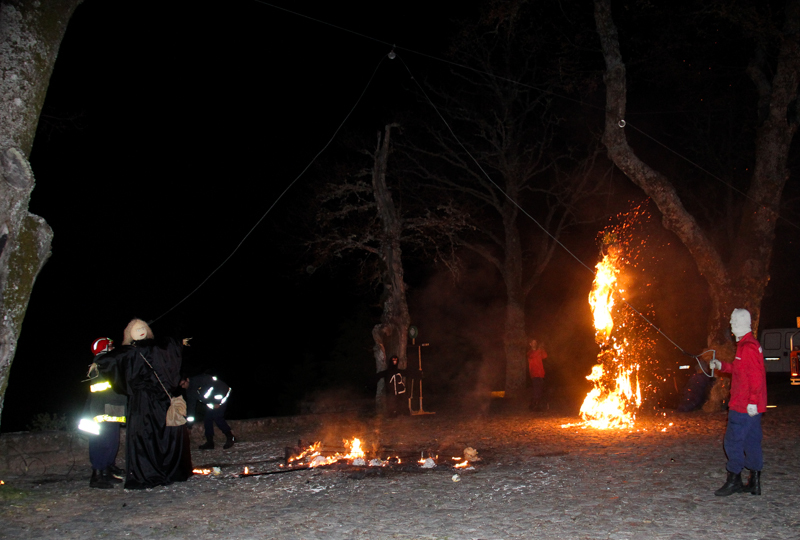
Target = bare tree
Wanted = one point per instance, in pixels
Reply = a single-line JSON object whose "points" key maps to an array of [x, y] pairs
{"points": [[30, 36], [360, 217], [502, 157], [739, 279]]}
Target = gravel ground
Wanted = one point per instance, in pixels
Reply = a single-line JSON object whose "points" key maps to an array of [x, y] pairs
{"points": [[536, 480]]}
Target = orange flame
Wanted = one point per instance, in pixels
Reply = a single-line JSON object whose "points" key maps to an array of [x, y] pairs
{"points": [[312, 456], [615, 397], [355, 449], [602, 296]]}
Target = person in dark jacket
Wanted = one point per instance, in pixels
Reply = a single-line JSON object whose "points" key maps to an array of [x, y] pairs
{"points": [[214, 394], [748, 402], [148, 371], [695, 391], [395, 384], [102, 417]]}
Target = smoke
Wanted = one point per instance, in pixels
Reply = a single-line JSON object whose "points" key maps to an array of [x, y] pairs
{"points": [[463, 322]]}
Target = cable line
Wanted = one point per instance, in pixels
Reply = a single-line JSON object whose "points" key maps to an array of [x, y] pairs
{"points": [[392, 55], [525, 85], [430, 56], [529, 216], [292, 183], [712, 175]]}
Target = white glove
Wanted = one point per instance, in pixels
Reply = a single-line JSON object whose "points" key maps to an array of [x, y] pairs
{"points": [[752, 410], [715, 364]]}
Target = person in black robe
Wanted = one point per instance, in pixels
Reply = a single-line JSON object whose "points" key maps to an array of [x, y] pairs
{"points": [[395, 384], [155, 454]]}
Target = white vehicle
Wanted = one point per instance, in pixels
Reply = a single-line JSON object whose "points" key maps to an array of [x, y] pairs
{"points": [[781, 351]]}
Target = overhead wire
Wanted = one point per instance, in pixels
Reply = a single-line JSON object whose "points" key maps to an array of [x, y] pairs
{"points": [[469, 68], [532, 87], [485, 174], [292, 183], [430, 56], [712, 175], [525, 212], [538, 89]]}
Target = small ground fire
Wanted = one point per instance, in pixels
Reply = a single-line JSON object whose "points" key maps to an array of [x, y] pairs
{"points": [[315, 456]]}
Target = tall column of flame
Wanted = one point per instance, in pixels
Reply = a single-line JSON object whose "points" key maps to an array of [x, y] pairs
{"points": [[613, 400]]}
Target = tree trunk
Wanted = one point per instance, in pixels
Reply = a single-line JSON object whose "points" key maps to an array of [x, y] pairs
{"points": [[741, 281], [30, 35], [391, 333]]}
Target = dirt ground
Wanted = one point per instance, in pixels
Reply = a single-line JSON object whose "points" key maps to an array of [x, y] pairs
{"points": [[536, 479]]}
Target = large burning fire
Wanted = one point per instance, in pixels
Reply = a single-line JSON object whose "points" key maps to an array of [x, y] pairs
{"points": [[616, 395], [613, 400]]}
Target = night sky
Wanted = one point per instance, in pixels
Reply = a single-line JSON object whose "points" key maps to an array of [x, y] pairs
{"points": [[167, 134]]}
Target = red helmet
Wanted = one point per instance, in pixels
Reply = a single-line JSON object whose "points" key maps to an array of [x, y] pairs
{"points": [[102, 344]]}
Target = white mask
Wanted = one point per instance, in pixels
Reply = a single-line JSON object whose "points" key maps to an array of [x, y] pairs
{"points": [[740, 323]]}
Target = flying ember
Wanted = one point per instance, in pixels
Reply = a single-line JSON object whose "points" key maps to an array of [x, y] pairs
{"points": [[616, 394]]}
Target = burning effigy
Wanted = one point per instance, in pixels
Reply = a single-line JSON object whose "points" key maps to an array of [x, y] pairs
{"points": [[622, 337]]}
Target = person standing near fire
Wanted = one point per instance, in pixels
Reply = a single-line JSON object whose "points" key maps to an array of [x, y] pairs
{"points": [[102, 417], [748, 402], [214, 393], [395, 387], [147, 370], [536, 355]]}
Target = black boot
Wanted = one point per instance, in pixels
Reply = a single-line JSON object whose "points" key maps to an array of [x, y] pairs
{"points": [[208, 445], [229, 441], [113, 476], [753, 485], [99, 480], [116, 472], [732, 485]]}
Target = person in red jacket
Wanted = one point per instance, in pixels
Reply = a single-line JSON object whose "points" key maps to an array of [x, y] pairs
{"points": [[536, 354], [748, 402]]}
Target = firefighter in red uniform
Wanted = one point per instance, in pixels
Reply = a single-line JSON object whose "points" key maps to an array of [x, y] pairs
{"points": [[748, 402]]}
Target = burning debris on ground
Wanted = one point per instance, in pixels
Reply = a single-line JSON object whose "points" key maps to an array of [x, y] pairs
{"points": [[353, 458]]}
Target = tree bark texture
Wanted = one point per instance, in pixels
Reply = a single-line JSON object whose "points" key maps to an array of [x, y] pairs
{"points": [[739, 282], [391, 334], [30, 36]]}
